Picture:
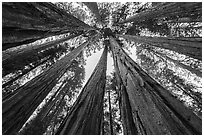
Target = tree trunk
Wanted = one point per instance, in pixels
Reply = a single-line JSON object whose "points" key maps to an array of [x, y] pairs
{"points": [[24, 23], [172, 9], [154, 109], [191, 47], [176, 62], [125, 109], [18, 108], [42, 116], [30, 50], [110, 111], [22, 74], [85, 116]]}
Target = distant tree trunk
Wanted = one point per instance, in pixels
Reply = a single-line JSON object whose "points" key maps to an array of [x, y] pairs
{"points": [[176, 62], [110, 111], [154, 109], [42, 117], [191, 47], [24, 23], [183, 20], [94, 8], [22, 74], [31, 50], [18, 108], [85, 116], [171, 9]]}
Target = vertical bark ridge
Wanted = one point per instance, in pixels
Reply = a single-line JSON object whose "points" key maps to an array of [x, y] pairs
{"points": [[85, 116], [157, 111], [18, 108]]}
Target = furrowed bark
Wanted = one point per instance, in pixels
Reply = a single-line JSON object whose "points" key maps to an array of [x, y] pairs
{"points": [[171, 9], [191, 47], [154, 109], [30, 50], [129, 127], [85, 116], [42, 116], [19, 76], [24, 23], [18, 108]]}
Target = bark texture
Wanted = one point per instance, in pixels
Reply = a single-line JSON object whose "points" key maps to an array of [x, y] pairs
{"points": [[23, 23], [10, 57], [191, 47], [154, 109], [86, 114], [18, 108], [171, 9]]}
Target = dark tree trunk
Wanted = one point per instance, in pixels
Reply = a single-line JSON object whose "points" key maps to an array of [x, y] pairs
{"points": [[24, 23], [43, 118], [154, 109], [86, 114], [20, 54], [191, 47], [129, 127], [18, 108], [19, 76], [171, 9]]}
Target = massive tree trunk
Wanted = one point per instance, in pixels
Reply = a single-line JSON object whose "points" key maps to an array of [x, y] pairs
{"points": [[18, 108], [24, 23], [124, 104], [191, 47], [154, 109], [86, 114], [94, 8], [172, 9], [40, 123], [10, 57]]}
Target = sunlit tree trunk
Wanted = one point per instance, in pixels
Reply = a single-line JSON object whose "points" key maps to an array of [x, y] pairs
{"points": [[31, 50], [110, 111], [171, 9], [18, 108], [86, 114], [176, 62], [154, 109], [24, 23], [191, 47]]}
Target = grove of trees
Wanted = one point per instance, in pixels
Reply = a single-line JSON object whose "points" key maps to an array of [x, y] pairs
{"points": [[154, 88]]}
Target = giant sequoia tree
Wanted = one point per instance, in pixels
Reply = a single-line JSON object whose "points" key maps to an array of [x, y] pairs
{"points": [[156, 82]]}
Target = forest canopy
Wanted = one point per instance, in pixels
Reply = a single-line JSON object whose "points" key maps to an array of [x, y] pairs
{"points": [[57, 78]]}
